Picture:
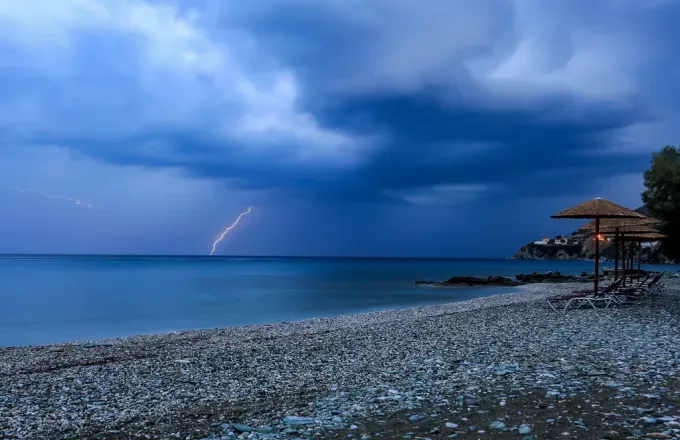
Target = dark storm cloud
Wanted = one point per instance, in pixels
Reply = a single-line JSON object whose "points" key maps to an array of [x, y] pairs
{"points": [[350, 101]]}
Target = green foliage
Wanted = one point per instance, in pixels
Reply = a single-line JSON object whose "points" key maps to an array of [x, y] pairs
{"points": [[662, 196]]}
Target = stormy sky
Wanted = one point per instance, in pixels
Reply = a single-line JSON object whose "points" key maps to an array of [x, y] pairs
{"points": [[434, 128]]}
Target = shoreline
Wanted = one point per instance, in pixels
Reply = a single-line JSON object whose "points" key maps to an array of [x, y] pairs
{"points": [[348, 319], [512, 290], [340, 371]]}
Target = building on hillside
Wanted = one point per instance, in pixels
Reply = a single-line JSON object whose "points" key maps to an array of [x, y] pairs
{"points": [[562, 241]]}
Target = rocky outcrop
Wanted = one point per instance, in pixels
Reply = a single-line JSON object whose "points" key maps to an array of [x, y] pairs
{"points": [[552, 277], [549, 277], [550, 252], [629, 272], [472, 281], [584, 250]]}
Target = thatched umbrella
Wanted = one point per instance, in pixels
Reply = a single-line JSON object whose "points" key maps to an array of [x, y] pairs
{"points": [[620, 236], [646, 236], [609, 223], [598, 209], [642, 235], [618, 225], [613, 223]]}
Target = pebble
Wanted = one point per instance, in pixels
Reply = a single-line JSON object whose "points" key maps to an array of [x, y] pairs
{"points": [[298, 421], [497, 425], [243, 428]]}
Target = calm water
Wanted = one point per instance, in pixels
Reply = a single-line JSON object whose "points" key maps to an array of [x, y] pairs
{"points": [[50, 299]]}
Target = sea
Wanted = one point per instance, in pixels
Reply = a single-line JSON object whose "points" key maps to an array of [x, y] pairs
{"points": [[48, 299]]}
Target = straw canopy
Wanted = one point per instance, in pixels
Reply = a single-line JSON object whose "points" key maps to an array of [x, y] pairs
{"points": [[598, 208], [649, 236], [629, 230], [611, 223]]}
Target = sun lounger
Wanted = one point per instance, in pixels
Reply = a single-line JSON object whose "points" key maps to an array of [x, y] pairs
{"points": [[624, 293], [602, 290], [644, 280], [577, 301], [636, 293], [638, 283], [658, 286], [582, 298], [648, 286]]}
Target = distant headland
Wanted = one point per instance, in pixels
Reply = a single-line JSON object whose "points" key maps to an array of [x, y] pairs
{"points": [[578, 247]]}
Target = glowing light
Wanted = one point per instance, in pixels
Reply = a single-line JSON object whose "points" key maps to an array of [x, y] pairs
{"points": [[226, 231], [48, 196]]}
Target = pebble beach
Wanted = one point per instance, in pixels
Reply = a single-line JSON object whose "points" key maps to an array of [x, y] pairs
{"points": [[503, 366]]}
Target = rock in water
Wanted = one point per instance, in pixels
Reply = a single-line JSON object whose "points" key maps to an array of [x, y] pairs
{"points": [[479, 281]]}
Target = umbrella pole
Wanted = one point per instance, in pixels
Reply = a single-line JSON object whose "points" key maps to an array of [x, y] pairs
{"points": [[632, 260], [616, 255], [597, 254], [624, 259], [639, 260]]}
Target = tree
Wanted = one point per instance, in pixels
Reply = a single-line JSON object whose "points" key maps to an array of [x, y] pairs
{"points": [[662, 196]]}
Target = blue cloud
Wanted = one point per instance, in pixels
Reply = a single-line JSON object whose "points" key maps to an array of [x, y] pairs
{"points": [[346, 100]]}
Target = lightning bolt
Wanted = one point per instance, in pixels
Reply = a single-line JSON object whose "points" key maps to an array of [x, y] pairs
{"points": [[48, 196], [226, 231]]}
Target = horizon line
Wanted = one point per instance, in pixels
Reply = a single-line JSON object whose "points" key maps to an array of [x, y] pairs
{"points": [[217, 257]]}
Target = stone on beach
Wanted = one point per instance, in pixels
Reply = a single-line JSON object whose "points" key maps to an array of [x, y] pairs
{"points": [[497, 425], [298, 421], [524, 429], [243, 428]]}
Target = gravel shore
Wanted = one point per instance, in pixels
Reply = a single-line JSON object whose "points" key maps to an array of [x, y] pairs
{"points": [[504, 366]]}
